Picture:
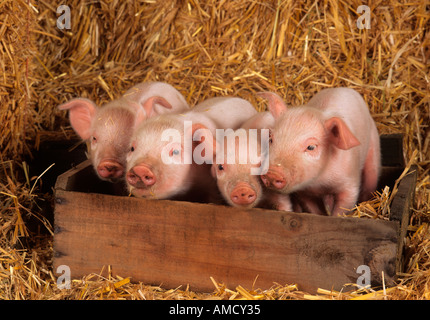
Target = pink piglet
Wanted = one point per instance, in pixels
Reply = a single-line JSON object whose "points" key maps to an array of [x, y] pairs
{"points": [[328, 148]]}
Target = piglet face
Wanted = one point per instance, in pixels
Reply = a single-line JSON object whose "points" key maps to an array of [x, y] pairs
{"points": [[108, 131], [111, 130], [238, 187], [298, 150], [156, 167], [303, 145], [235, 172]]}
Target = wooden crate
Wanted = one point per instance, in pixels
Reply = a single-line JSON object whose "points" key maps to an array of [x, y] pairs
{"points": [[172, 243]]}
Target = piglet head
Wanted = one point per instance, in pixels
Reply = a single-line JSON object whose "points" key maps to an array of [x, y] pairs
{"points": [[149, 175], [110, 140], [109, 129], [161, 162], [237, 167], [237, 186], [302, 144]]}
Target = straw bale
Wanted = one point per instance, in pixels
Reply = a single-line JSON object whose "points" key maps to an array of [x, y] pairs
{"points": [[203, 48], [16, 80]]}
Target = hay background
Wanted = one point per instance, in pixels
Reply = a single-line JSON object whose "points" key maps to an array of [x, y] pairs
{"points": [[204, 48]]}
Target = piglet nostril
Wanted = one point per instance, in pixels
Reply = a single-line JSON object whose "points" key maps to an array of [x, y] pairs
{"points": [[274, 179], [132, 178], [144, 174], [110, 169], [243, 195]]}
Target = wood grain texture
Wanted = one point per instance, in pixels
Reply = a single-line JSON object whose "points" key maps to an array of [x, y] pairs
{"points": [[172, 244]]}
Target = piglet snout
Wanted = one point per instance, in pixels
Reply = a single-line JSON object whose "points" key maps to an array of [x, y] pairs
{"points": [[243, 194], [273, 178], [109, 169], [141, 176]]}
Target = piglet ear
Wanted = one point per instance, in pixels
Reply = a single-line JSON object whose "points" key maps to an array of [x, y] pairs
{"points": [[276, 105], [140, 116], [339, 134], [145, 109], [81, 114], [150, 103]]}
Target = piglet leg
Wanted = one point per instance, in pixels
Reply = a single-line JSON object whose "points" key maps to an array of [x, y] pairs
{"points": [[282, 202], [371, 169], [344, 201]]}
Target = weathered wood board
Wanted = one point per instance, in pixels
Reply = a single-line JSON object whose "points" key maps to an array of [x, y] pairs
{"points": [[173, 243]]}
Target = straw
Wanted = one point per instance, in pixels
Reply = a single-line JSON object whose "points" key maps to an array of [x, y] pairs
{"points": [[204, 49]]}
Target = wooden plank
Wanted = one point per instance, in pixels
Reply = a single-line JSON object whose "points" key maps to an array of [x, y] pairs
{"points": [[401, 208], [67, 180], [179, 243]]}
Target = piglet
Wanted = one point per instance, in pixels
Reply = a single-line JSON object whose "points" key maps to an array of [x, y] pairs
{"points": [[244, 158], [109, 128], [168, 157], [328, 148]]}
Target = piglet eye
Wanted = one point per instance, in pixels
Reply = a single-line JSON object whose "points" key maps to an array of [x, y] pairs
{"points": [[94, 139], [270, 137], [311, 147], [174, 152], [220, 167], [133, 147]]}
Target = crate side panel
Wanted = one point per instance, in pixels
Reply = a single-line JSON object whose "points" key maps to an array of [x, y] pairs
{"points": [[179, 243], [170, 243]]}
